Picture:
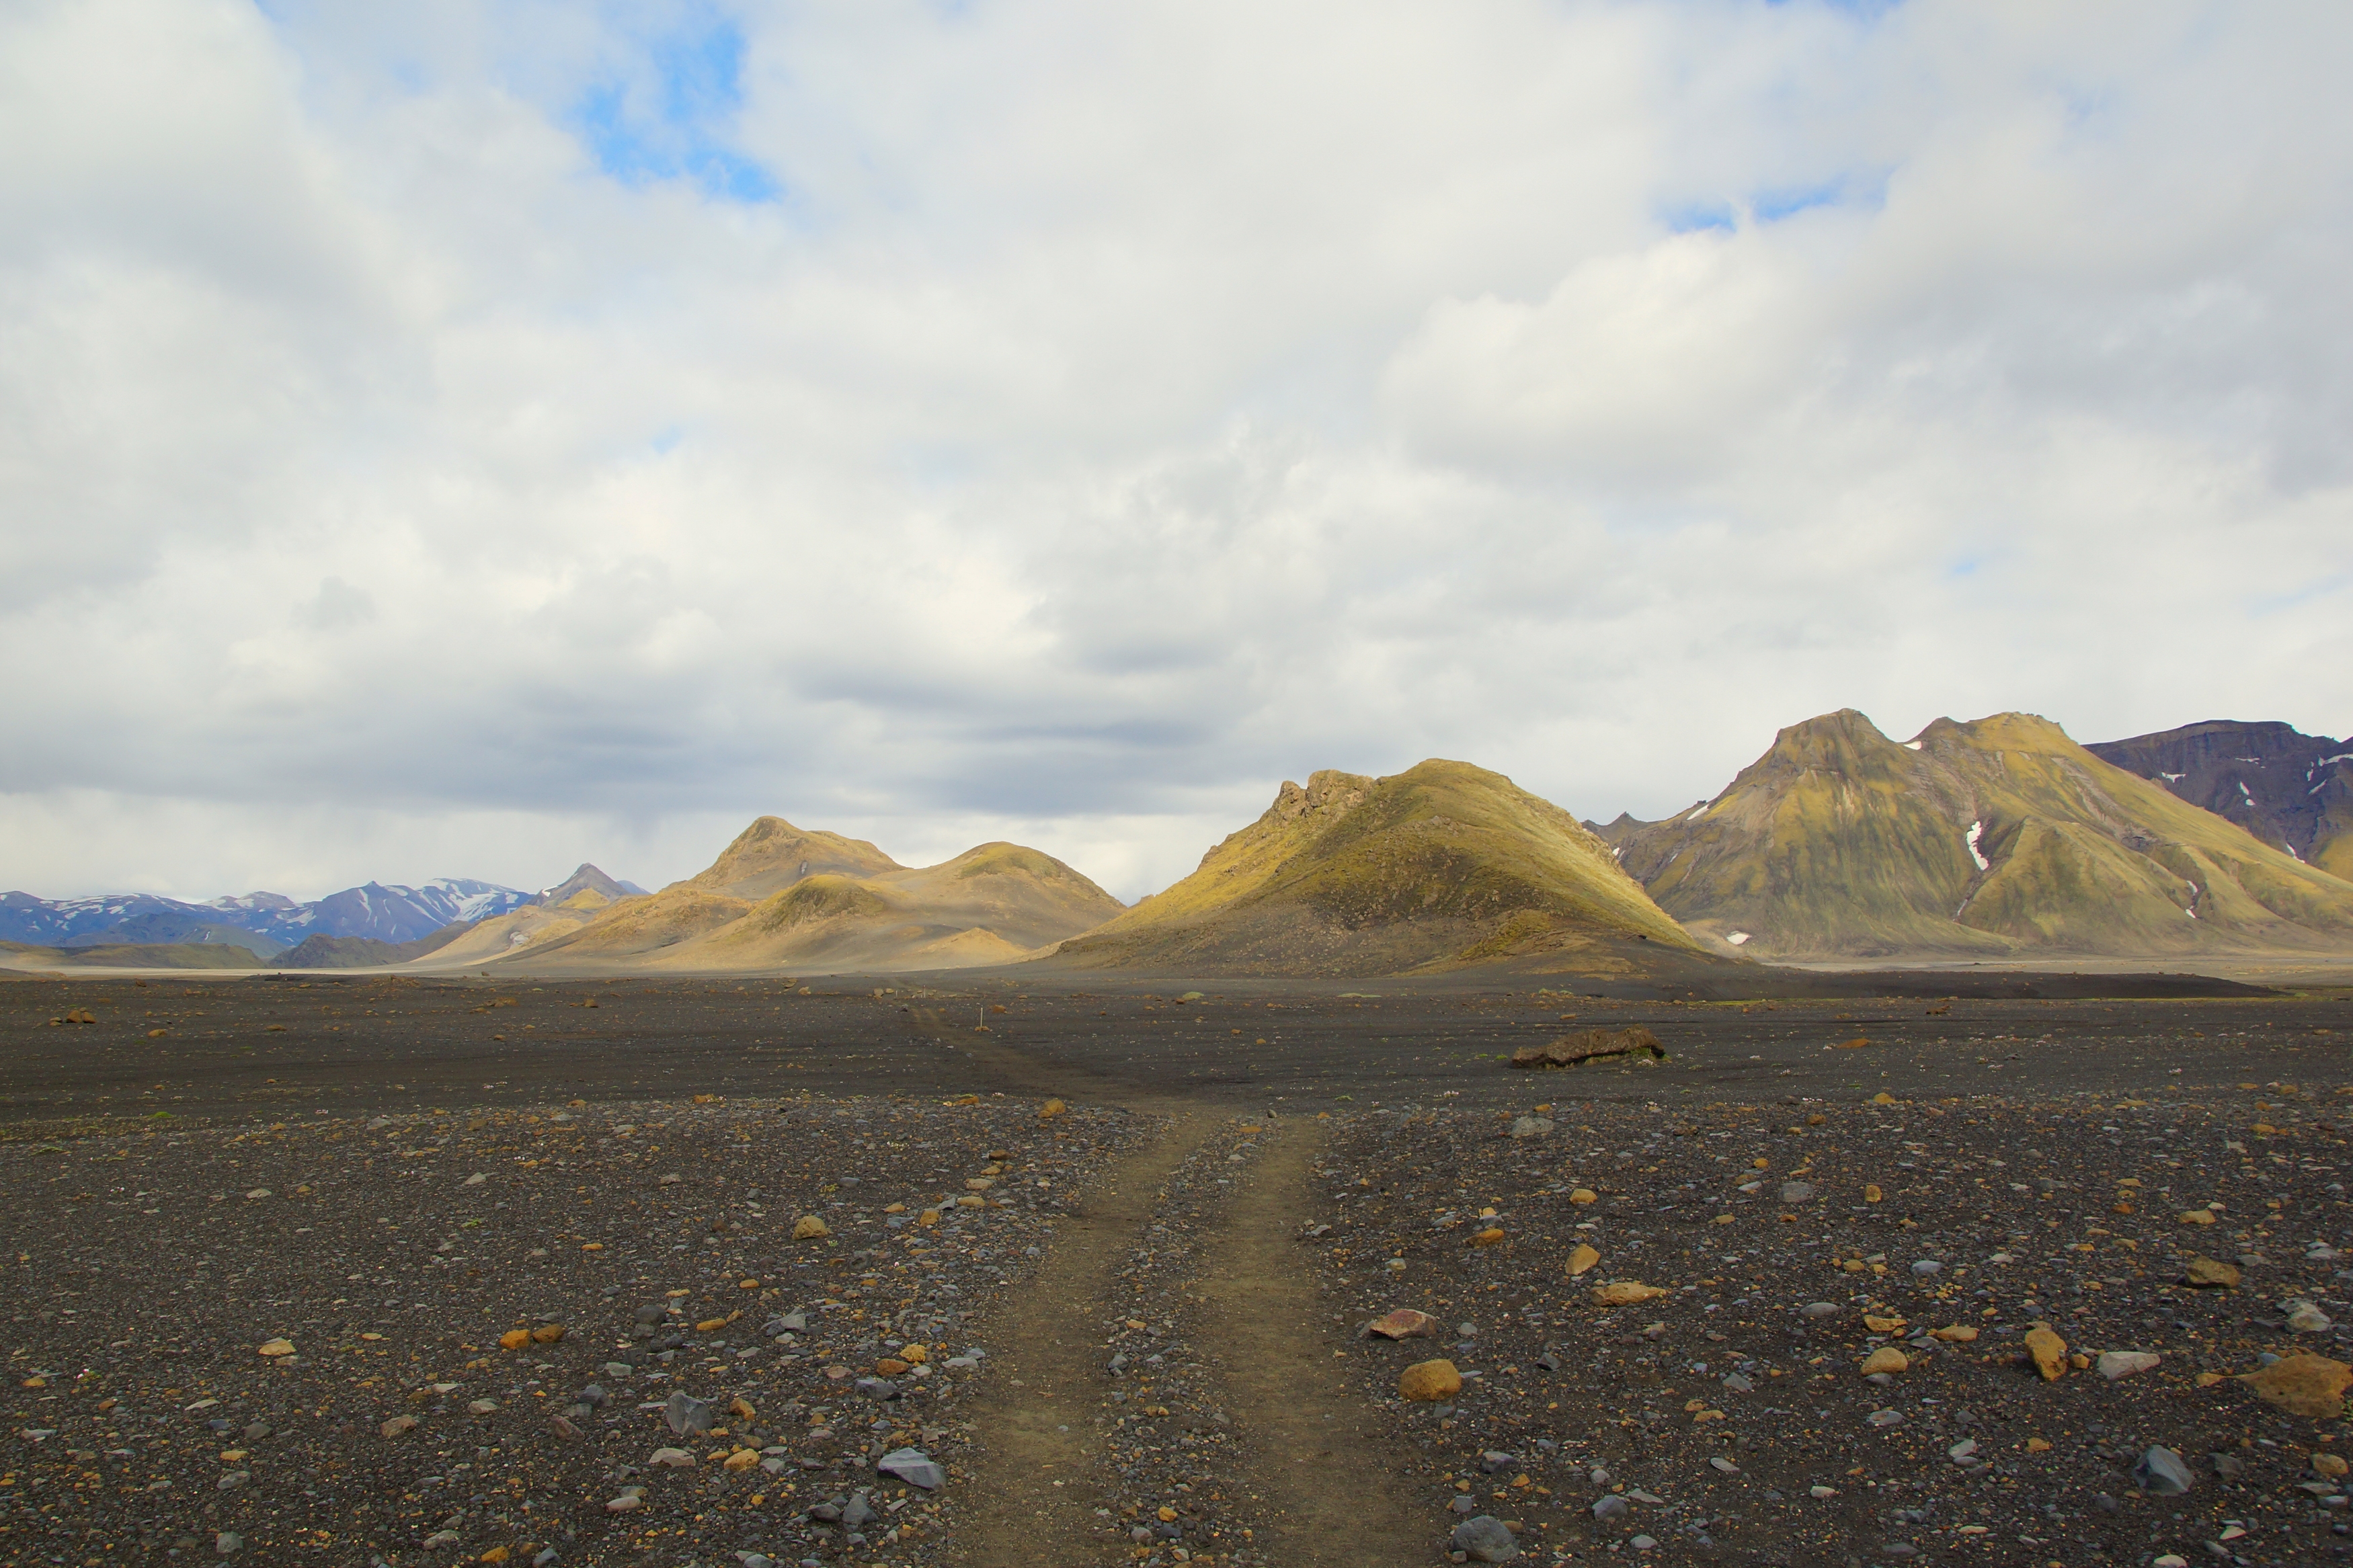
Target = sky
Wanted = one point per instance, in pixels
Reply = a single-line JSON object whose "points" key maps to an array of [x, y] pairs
{"points": [[467, 440]]}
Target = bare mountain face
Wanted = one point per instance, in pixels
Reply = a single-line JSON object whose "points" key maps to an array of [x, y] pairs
{"points": [[1443, 866], [383, 913], [782, 898], [2293, 791], [1991, 838]]}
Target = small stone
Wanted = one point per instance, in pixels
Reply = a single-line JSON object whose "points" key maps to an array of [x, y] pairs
{"points": [[2038, 1445], [1819, 1309], [547, 1333], [1053, 1108], [2197, 1217], [2170, 1560], [2114, 1364], [877, 1388], [858, 1511], [2307, 1385], [397, 1424], [2209, 1273], [1584, 1195], [741, 1460], [275, 1348], [1531, 1126], [2049, 1351], [2306, 1318], [228, 1544], [808, 1227], [1724, 1464], [628, 1502], [1885, 1418], [1428, 1382], [481, 1408], [1958, 1335], [1821, 1493], [1886, 1358], [1926, 1268], [1611, 1507], [1796, 1192], [2327, 1465], [1484, 1539], [1880, 1325], [674, 1458], [1627, 1293], [1404, 1323], [914, 1466], [686, 1414], [1963, 1451], [1642, 1543], [1491, 1237], [441, 1540], [2161, 1471], [514, 1339], [1582, 1257], [1870, 1193]]}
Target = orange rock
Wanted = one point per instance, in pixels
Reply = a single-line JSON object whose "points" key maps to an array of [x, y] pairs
{"points": [[514, 1339], [2197, 1217], [1958, 1334], [1050, 1109], [1583, 1258], [547, 1333], [2308, 1386], [808, 1227], [1491, 1237], [889, 1366], [1428, 1382], [1879, 1325], [1628, 1293], [2206, 1272], [915, 1355], [1886, 1358], [1405, 1323], [1871, 1193], [2049, 1351], [2037, 1446], [2329, 1465], [1585, 1195]]}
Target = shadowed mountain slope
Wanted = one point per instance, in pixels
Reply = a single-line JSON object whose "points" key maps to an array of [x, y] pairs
{"points": [[1989, 838], [2293, 791], [1442, 866]]}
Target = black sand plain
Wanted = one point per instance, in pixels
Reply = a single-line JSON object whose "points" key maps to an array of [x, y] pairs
{"points": [[1138, 1321]]}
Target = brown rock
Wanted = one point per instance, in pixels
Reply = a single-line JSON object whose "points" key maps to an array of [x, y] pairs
{"points": [[1627, 1293], [2206, 1273], [2049, 1351], [2329, 1465], [1428, 1382], [2197, 1217], [1879, 1325], [808, 1227], [547, 1333], [1958, 1334], [2308, 1386], [1593, 1044], [1405, 1323], [1050, 1109], [275, 1348], [1581, 1259], [397, 1424], [514, 1339], [1585, 1195], [1491, 1237], [1886, 1358], [889, 1366]]}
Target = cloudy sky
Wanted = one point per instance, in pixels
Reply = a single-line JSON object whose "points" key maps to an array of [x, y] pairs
{"points": [[468, 438]]}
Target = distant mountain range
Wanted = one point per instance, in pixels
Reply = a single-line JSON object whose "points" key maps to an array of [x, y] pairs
{"points": [[267, 924], [1993, 838], [2291, 790]]}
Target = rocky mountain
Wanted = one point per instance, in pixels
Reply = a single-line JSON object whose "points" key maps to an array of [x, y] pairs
{"points": [[780, 897], [263, 922], [588, 880], [2293, 791], [1991, 838], [1445, 866]]}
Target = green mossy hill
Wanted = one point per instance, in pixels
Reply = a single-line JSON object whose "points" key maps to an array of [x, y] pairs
{"points": [[832, 904], [1442, 866], [1840, 843], [773, 854]]}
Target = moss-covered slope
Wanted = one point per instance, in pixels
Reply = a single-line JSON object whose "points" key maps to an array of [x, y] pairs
{"points": [[1442, 866], [1989, 838]]}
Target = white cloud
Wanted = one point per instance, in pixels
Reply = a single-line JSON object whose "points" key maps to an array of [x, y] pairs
{"points": [[1117, 410]]}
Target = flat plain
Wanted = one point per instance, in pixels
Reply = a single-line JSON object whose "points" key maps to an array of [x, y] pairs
{"points": [[523, 1259]]}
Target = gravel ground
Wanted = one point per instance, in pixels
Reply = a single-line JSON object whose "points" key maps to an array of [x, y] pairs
{"points": [[636, 1252], [1788, 1240]]}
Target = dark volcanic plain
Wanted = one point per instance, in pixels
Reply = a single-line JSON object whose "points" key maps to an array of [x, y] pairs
{"points": [[1136, 1320]]}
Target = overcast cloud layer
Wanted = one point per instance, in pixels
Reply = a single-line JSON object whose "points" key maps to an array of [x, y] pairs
{"points": [[468, 438]]}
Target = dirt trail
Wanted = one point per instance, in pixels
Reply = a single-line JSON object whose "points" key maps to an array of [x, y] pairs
{"points": [[1043, 1475], [1320, 1467], [1326, 1469]]}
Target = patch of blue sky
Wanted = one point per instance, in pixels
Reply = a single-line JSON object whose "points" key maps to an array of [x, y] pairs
{"points": [[1694, 215], [1772, 206], [669, 120]]}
